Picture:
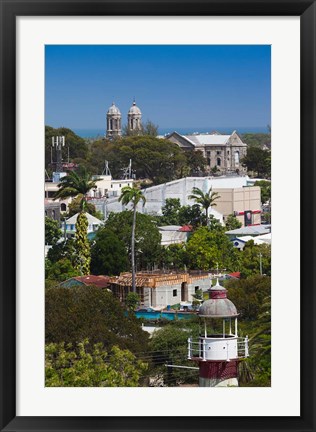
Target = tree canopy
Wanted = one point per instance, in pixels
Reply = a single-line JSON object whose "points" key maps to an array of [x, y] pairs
{"points": [[78, 313], [258, 161], [205, 200], [207, 248], [108, 254], [52, 231], [68, 366], [77, 146], [147, 236]]}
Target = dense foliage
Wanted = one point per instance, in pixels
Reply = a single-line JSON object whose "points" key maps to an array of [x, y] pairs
{"points": [[208, 248], [77, 146], [257, 139], [109, 254], [147, 236], [52, 231], [258, 161], [78, 313], [68, 366]]}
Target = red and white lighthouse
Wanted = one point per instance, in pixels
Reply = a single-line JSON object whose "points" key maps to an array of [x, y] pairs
{"points": [[218, 350]]}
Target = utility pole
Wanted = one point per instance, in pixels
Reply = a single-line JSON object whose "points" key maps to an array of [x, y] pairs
{"points": [[260, 262]]}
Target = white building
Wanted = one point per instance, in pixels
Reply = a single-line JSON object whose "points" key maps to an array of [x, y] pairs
{"points": [[235, 196], [93, 224]]}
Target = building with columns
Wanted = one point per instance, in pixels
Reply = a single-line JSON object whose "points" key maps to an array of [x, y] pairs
{"points": [[114, 121], [134, 119]]}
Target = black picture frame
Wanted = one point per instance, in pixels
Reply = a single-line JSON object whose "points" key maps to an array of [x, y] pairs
{"points": [[10, 9]]}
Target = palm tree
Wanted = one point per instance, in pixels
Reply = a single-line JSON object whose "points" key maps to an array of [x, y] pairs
{"points": [[72, 185], [205, 200], [132, 195]]}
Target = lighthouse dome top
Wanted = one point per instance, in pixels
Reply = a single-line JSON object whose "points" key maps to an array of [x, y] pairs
{"points": [[218, 305], [134, 109], [218, 308], [114, 109]]}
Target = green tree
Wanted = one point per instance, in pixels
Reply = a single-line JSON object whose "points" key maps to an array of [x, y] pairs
{"points": [[80, 312], [83, 257], [170, 211], [68, 366], [208, 248], [251, 256], [108, 254], [132, 301], [258, 160], [150, 129], [248, 295], [196, 162], [158, 160], [76, 145], [169, 346], [52, 231], [72, 185], [265, 187], [65, 249], [260, 346], [173, 256], [205, 200], [147, 236], [75, 207], [60, 270], [257, 139], [132, 195], [232, 222]]}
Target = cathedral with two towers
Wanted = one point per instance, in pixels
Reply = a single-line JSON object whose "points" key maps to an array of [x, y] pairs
{"points": [[114, 121]]}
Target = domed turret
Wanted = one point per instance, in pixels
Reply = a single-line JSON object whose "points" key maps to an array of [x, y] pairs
{"points": [[114, 109], [113, 122], [134, 109], [218, 305], [134, 118]]}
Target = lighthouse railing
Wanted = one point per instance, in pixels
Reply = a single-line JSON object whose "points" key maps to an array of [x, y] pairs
{"points": [[199, 349]]}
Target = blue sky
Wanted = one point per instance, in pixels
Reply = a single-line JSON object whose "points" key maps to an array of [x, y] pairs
{"points": [[174, 85]]}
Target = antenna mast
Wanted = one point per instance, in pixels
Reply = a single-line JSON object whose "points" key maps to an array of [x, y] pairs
{"points": [[58, 143]]}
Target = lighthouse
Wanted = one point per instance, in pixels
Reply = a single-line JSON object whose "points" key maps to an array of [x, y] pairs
{"points": [[218, 349]]}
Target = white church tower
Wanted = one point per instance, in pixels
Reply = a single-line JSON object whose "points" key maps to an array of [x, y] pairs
{"points": [[113, 122], [134, 119]]}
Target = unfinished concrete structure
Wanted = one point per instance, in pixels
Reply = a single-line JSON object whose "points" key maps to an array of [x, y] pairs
{"points": [[159, 290]]}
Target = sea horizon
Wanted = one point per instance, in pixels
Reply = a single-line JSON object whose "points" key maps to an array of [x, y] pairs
{"points": [[100, 132]]}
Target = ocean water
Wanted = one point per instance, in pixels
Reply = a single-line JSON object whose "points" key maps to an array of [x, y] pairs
{"points": [[93, 133]]}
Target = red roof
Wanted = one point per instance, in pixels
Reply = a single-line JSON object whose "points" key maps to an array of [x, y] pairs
{"points": [[98, 281], [235, 274], [186, 228]]}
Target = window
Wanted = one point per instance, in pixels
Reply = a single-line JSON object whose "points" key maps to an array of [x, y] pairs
{"points": [[63, 207], [218, 162], [237, 157], [208, 158], [53, 214], [175, 293], [218, 152], [196, 288]]}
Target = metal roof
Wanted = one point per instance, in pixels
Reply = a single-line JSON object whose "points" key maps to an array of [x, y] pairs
{"points": [[91, 219], [250, 230], [218, 308], [207, 139]]}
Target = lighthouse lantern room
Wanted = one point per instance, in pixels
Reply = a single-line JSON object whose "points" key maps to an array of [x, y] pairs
{"points": [[218, 349]]}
